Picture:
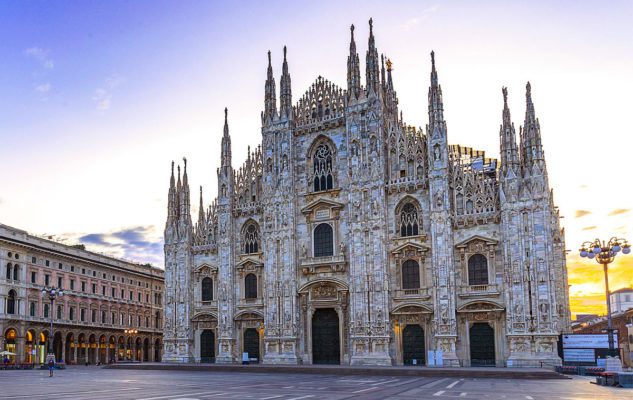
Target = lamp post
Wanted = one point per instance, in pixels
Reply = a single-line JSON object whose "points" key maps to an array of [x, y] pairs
{"points": [[52, 294], [604, 253]]}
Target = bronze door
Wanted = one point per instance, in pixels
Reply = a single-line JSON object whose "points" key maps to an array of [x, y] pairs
{"points": [[325, 337], [413, 345], [207, 346], [482, 345], [251, 343]]}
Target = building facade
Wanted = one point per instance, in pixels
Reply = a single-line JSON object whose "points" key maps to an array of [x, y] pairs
{"points": [[621, 300], [350, 237], [103, 297]]}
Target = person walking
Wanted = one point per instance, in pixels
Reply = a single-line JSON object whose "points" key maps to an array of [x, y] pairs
{"points": [[51, 366]]}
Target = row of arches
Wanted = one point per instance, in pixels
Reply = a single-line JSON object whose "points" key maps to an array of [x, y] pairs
{"points": [[81, 348]]}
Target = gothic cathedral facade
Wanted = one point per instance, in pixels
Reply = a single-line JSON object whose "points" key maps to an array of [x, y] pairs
{"points": [[350, 237]]}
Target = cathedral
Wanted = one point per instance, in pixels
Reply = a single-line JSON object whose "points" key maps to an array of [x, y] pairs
{"points": [[349, 237]]}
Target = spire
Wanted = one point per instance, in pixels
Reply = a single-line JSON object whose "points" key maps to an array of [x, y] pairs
{"points": [[436, 105], [185, 202], [507, 138], [285, 91], [172, 207], [226, 141], [382, 72], [270, 99], [372, 74], [353, 69], [201, 211], [531, 146], [179, 184], [389, 80]]}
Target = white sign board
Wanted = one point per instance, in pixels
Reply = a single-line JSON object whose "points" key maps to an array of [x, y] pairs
{"points": [[439, 358], [431, 358], [579, 355], [588, 341]]}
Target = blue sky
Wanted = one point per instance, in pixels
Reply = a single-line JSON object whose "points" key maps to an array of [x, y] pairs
{"points": [[96, 98]]}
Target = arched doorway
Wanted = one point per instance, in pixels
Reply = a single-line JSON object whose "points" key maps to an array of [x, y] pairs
{"points": [[121, 351], [29, 347], [251, 343], [9, 343], [70, 348], [111, 350], [413, 351], [157, 350], [207, 346], [138, 350], [102, 350], [482, 345], [326, 348], [42, 348], [57, 346], [146, 350], [92, 349], [81, 352]]}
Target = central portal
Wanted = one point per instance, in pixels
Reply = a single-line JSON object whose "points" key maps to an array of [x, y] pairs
{"points": [[413, 352], [251, 343], [482, 345], [207, 346], [326, 347]]}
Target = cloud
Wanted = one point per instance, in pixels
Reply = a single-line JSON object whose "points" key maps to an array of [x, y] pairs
{"points": [[411, 23], [103, 95], [582, 213], [41, 55], [43, 88], [142, 244], [619, 211], [589, 228]]}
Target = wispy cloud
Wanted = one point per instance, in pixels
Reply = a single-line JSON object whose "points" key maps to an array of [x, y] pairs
{"points": [[589, 228], [140, 243], [41, 55], [412, 22], [103, 95], [43, 88], [582, 213], [619, 211]]}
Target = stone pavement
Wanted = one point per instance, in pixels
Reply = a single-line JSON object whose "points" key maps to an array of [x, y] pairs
{"points": [[114, 384], [474, 372]]}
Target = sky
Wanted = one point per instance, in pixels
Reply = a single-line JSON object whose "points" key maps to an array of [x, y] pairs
{"points": [[97, 98]]}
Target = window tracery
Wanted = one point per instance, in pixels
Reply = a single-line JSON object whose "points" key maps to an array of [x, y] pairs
{"points": [[251, 238], [408, 217], [322, 168]]}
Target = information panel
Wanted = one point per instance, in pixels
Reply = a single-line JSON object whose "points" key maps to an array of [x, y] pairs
{"points": [[588, 341], [579, 355]]}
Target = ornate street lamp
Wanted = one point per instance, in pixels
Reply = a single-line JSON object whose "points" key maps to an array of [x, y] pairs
{"points": [[131, 331], [52, 294], [604, 253]]}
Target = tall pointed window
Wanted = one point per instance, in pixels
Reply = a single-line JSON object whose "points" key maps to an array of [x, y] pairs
{"points": [[250, 286], [250, 237], [322, 177], [410, 275], [9, 269], [323, 240], [477, 270], [11, 302], [207, 289], [409, 221]]}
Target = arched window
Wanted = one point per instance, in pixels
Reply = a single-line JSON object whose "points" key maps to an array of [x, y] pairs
{"points": [[16, 272], [251, 238], [322, 168], [477, 270], [32, 309], [46, 310], [9, 270], [207, 289], [409, 220], [410, 275], [157, 320], [11, 302], [250, 286], [323, 241]]}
